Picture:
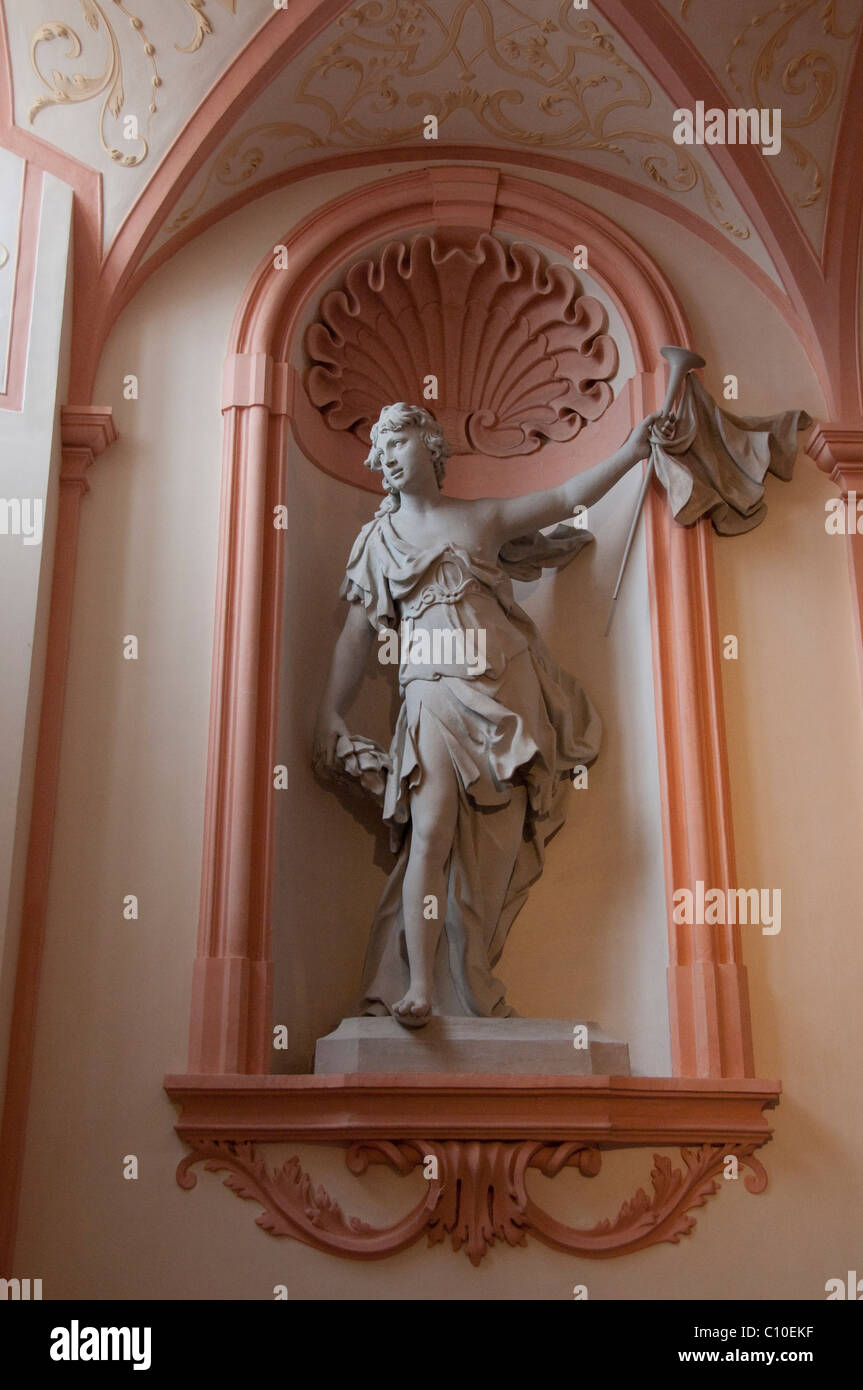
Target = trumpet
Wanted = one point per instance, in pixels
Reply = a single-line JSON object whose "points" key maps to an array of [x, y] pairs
{"points": [[680, 363]]}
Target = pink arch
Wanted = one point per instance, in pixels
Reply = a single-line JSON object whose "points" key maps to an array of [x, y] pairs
{"points": [[231, 993], [823, 289]]}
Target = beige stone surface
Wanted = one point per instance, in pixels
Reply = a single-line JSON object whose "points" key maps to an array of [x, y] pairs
{"points": [[522, 1046]]}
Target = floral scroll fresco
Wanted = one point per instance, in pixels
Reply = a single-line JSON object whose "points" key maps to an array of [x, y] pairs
{"points": [[113, 22], [485, 70], [791, 54]]}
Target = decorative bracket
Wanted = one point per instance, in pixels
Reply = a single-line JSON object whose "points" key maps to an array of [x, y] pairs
{"points": [[837, 448], [475, 1138], [86, 431], [477, 1194]]}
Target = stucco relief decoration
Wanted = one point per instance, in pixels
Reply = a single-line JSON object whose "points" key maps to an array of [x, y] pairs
{"points": [[118, 25], [478, 1196], [519, 354], [784, 57], [563, 85]]}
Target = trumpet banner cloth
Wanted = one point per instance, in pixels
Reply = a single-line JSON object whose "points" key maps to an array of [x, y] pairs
{"points": [[715, 463]]}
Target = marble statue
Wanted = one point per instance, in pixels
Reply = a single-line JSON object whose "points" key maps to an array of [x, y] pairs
{"points": [[490, 726]]}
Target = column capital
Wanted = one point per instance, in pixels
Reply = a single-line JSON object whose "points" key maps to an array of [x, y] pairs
{"points": [[838, 450], [86, 431], [253, 378], [88, 426]]}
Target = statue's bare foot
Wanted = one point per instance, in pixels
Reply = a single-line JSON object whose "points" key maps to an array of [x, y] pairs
{"points": [[414, 1010]]}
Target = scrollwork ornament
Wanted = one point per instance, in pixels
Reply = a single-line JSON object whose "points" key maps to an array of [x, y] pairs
{"points": [[476, 1195], [72, 88], [203, 27], [809, 77], [565, 86]]}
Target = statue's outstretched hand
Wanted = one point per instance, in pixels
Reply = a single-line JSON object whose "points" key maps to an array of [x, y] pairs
{"points": [[638, 443], [328, 730]]}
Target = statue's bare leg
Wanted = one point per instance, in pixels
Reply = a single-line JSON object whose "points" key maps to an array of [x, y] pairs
{"points": [[434, 813]]}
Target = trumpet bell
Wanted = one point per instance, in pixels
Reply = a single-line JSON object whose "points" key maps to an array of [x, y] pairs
{"points": [[682, 359], [680, 362]]}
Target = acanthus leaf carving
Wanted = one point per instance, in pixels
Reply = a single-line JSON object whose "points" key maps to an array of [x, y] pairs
{"points": [[293, 1207], [477, 1197]]}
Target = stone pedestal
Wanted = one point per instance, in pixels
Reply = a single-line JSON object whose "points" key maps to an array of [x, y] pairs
{"points": [[519, 1046]]}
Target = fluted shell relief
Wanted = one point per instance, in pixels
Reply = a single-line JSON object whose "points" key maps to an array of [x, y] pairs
{"points": [[519, 353]]}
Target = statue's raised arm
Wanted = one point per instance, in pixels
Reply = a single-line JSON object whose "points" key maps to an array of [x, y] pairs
{"points": [[514, 516]]}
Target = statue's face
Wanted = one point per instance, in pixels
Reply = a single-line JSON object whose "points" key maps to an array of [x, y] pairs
{"points": [[406, 460]]}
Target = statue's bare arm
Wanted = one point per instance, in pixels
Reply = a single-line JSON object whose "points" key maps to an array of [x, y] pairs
{"points": [[515, 516], [347, 667]]}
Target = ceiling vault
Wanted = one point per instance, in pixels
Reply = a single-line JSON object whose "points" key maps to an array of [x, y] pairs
{"points": [[166, 115]]}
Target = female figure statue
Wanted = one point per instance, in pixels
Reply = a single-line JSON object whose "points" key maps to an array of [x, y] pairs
{"points": [[490, 726]]}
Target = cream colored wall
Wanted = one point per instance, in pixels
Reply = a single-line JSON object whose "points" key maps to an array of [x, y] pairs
{"points": [[115, 995]]}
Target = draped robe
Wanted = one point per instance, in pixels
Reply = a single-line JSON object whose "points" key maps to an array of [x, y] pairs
{"points": [[522, 721]]}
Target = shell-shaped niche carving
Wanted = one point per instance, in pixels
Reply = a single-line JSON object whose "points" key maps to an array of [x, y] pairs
{"points": [[519, 354]]}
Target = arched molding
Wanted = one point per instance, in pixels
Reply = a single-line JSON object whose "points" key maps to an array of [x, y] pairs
{"points": [[141, 268], [839, 302], [711, 1034], [823, 289], [274, 299]]}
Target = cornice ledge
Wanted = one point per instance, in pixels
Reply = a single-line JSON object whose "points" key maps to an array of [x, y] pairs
{"points": [[837, 449], [605, 1111], [86, 431], [253, 378], [88, 427]]}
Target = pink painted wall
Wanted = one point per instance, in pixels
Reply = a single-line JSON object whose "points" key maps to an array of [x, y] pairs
{"points": [[114, 1003]]}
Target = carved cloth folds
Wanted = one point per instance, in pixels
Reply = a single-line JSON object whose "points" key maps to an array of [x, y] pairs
{"points": [[518, 720], [715, 463]]}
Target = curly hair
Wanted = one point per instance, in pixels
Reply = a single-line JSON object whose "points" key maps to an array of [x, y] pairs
{"points": [[403, 416]]}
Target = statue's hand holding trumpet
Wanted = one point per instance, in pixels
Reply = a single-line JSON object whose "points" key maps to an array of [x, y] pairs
{"points": [[681, 361]]}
